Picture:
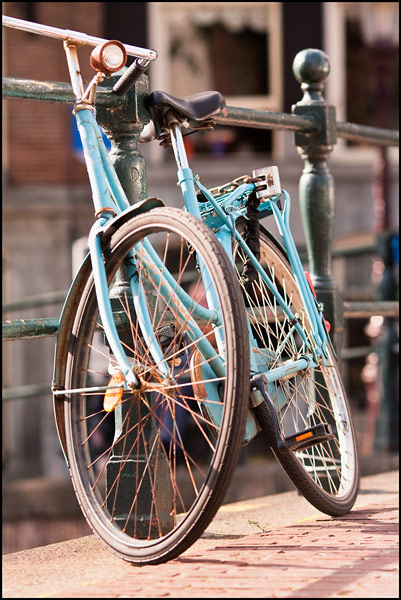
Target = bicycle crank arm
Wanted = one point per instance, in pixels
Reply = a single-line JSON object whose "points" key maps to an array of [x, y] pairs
{"points": [[322, 432]]}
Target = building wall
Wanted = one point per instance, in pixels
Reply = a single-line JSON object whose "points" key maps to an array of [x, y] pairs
{"points": [[46, 206], [46, 199], [39, 132]]}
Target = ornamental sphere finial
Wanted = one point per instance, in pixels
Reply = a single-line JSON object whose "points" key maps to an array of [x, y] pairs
{"points": [[311, 66]]}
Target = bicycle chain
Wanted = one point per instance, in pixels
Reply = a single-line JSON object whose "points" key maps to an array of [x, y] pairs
{"points": [[232, 185]]}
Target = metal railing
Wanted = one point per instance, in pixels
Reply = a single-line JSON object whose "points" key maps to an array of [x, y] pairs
{"points": [[315, 128]]}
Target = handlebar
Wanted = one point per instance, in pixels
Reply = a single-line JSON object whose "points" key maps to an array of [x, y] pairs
{"points": [[75, 37]]}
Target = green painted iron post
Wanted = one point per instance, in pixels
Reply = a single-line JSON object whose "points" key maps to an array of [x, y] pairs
{"points": [[387, 425], [316, 186], [122, 126]]}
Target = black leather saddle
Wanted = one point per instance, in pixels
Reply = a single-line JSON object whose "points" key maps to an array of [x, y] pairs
{"points": [[197, 110]]}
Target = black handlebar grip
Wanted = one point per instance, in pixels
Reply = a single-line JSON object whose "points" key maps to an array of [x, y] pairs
{"points": [[127, 80]]}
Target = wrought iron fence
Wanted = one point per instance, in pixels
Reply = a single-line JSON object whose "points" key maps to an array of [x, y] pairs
{"points": [[316, 130]]}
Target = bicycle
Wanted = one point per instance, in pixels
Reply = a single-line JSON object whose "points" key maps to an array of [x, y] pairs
{"points": [[184, 334]]}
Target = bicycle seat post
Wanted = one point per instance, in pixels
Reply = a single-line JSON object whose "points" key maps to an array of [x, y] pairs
{"points": [[177, 142]]}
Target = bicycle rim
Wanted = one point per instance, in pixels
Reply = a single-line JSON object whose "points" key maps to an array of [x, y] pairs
{"points": [[151, 471], [325, 473]]}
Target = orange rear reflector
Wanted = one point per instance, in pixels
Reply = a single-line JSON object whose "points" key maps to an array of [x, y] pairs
{"points": [[304, 436], [113, 396]]}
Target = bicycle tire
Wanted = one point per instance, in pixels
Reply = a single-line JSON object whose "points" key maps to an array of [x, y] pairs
{"points": [[326, 474], [179, 471]]}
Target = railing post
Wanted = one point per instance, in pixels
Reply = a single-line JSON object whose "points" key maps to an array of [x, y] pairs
{"points": [[123, 126], [387, 428], [316, 187]]}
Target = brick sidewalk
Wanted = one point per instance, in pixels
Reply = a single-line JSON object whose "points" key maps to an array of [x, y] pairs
{"points": [[350, 557], [355, 556]]}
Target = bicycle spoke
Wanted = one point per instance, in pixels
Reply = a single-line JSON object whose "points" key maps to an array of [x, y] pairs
{"points": [[309, 399], [142, 463]]}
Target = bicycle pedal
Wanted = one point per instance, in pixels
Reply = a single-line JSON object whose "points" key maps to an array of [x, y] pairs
{"points": [[323, 432]]}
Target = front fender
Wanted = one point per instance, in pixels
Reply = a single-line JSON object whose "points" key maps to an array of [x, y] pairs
{"points": [[64, 333]]}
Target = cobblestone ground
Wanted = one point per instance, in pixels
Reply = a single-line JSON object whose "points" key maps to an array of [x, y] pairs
{"points": [[354, 556]]}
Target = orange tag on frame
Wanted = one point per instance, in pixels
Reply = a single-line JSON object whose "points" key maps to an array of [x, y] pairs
{"points": [[112, 397]]}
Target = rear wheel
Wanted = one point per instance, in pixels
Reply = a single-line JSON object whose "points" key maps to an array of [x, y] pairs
{"points": [[325, 473], [151, 467]]}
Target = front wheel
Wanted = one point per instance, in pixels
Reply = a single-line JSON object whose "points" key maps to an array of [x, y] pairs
{"points": [[151, 466], [326, 473]]}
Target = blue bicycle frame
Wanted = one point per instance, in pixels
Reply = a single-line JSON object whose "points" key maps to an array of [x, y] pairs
{"points": [[225, 210], [111, 202]]}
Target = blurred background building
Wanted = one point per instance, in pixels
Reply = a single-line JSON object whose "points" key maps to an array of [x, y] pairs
{"points": [[245, 50]]}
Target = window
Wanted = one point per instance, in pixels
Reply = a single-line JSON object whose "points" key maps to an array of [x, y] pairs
{"points": [[359, 84], [224, 46], [372, 78]]}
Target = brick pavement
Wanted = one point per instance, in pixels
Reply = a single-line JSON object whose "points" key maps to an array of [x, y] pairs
{"points": [[354, 556], [349, 557]]}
